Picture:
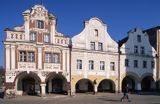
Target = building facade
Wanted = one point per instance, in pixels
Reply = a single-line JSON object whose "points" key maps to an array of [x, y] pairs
{"points": [[94, 59], [36, 55], [40, 60], [137, 62]]}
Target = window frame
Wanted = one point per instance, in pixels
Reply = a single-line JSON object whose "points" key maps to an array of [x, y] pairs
{"points": [[79, 64], [46, 38], [135, 63], [145, 64], [100, 46], [139, 38], [40, 24], [91, 65], [92, 45], [31, 57], [22, 56], [126, 62], [135, 49], [102, 65], [56, 59], [32, 37], [48, 58], [112, 66]]}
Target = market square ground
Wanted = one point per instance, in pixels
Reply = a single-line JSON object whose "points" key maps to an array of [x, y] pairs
{"points": [[100, 98]]}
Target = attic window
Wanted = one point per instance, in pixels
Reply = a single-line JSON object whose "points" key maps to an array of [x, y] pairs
{"points": [[139, 38], [96, 32]]}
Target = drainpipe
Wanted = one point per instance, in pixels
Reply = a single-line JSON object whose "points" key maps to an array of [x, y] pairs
{"points": [[70, 87]]}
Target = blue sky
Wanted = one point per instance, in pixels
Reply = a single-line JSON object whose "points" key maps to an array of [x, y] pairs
{"points": [[119, 15]]}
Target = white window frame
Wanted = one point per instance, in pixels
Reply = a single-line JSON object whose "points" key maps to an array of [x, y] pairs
{"points": [[46, 38], [31, 57], [56, 58], [92, 45], [112, 66], [91, 65], [33, 36], [47, 57], [79, 64], [102, 65], [100, 46]]}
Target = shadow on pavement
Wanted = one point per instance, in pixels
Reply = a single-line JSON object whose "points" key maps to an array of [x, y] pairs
{"points": [[110, 100]]}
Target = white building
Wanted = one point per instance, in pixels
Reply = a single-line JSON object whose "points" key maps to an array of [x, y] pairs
{"points": [[36, 55], [137, 61], [94, 59]]}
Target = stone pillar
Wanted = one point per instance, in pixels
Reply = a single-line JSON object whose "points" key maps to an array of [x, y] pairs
{"points": [[43, 89], [13, 57], [7, 50], [95, 88], [138, 86], [39, 58], [50, 86]]}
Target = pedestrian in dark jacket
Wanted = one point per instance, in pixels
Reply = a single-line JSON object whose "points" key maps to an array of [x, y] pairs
{"points": [[125, 93]]}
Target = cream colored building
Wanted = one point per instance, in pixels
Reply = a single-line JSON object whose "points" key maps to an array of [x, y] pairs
{"points": [[36, 55], [94, 59]]}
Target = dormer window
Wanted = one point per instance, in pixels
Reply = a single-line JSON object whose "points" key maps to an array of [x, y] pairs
{"points": [[139, 38], [96, 32], [46, 38], [40, 24], [33, 36]]}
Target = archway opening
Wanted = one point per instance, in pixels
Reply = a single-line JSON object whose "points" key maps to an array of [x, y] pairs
{"points": [[57, 84], [106, 86], [28, 84], [128, 80], [148, 84], [84, 85]]}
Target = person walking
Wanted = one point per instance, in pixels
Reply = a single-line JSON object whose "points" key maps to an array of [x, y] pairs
{"points": [[125, 94]]}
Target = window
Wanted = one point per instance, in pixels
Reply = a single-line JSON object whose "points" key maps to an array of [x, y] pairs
{"points": [[56, 58], [31, 57], [79, 64], [152, 64], [144, 64], [91, 64], [46, 38], [126, 62], [142, 51], [96, 32], [100, 46], [92, 45], [139, 38], [102, 65], [22, 56], [135, 49], [136, 63], [32, 36], [112, 66], [40, 24], [48, 57]]}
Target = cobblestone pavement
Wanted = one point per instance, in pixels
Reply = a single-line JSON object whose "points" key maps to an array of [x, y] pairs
{"points": [[101, 98]]}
